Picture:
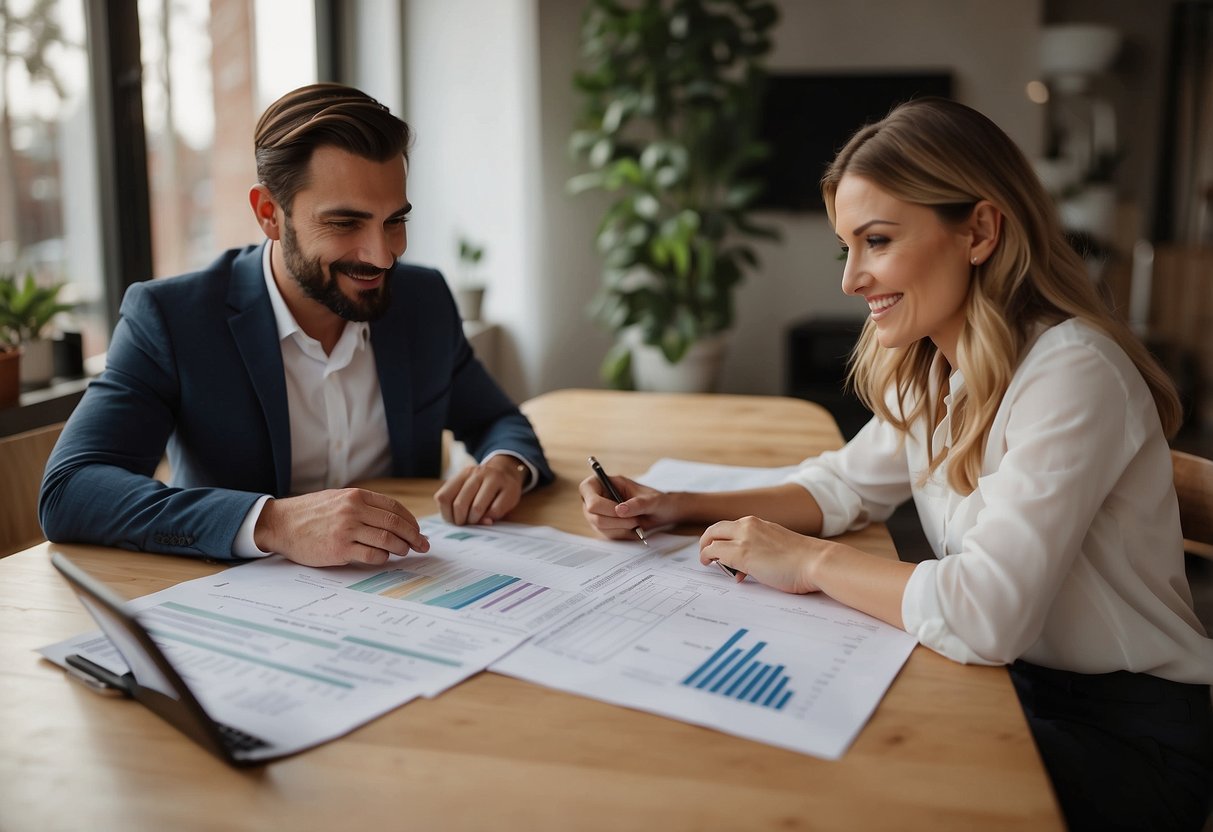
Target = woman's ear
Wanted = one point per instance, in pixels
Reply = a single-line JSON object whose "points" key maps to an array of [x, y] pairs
{"points": [[265, 210], [985, 228]]}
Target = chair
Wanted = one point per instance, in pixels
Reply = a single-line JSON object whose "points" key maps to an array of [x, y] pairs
{"points": [[1194, 487], [22, 460]]}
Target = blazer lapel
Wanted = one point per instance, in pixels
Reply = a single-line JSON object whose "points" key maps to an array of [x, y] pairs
{"points": [[256, 333], [390, 342]]}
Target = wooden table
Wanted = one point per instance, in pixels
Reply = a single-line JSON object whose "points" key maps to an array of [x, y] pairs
{"points": [[947, 748]]}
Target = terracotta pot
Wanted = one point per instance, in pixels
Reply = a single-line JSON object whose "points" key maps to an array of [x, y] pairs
{"points": [[10, 377]]}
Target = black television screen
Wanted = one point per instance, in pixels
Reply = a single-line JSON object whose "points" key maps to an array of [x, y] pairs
{"points": [[806, 119]]}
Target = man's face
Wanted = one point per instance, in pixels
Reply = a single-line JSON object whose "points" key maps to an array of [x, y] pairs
{"points": [[345, 231]]}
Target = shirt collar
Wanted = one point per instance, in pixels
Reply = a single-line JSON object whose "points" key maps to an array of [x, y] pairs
{"points": [[285, 321]]}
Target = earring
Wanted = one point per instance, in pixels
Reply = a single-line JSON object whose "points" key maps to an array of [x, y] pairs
{"points": [[974, 261]]}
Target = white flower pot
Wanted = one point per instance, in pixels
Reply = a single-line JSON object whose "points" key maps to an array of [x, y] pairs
{"points": [[697, 372], [37, 363], [469, 299]]}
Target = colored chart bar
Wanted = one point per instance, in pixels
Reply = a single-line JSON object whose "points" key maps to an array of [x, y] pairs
{"points": [[454, 591], [734, 672]]}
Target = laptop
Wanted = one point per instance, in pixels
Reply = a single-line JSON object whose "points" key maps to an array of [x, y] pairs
{"points": [[152, 679]]}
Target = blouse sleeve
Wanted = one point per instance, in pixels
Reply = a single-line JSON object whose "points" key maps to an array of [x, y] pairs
{"points": [[862, 482], [1075, 418]]}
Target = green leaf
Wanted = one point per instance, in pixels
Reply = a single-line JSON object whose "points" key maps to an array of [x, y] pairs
{"points": [[585, 182], [601, 152], [582, 140], [739, 196], [615, 113], [616, 367], [647, 206], [674, 345], [680, 255]]}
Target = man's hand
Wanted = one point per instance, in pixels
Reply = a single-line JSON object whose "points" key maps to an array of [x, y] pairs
{"points": [[482, 493], [338, 526]]}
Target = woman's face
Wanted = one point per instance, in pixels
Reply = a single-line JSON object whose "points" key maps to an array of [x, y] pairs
{"points": [[911, 267]]}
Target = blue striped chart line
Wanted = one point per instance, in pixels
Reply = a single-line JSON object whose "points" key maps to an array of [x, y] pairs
{"points": [[735, 672]]}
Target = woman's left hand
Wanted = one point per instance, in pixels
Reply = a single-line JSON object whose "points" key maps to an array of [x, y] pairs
{"points": [[772, 554]]}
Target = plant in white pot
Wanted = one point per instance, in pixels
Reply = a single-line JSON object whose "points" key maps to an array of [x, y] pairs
{"points": [[671, 92], [29, 309], [469, 286]]}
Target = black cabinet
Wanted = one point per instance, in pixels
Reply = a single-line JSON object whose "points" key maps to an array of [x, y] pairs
{"points": [[818, 349]]}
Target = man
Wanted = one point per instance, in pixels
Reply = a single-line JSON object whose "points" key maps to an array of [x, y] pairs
{"points": [[292, 368]]}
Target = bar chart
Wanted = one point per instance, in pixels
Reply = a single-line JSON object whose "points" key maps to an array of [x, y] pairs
{"points": [[458, 589], [736, 672]]}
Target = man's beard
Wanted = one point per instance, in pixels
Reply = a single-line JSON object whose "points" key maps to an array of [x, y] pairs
{"points": [[368, 305]]}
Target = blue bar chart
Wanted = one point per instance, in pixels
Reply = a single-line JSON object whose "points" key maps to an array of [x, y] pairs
{"points": [[735, 671]]}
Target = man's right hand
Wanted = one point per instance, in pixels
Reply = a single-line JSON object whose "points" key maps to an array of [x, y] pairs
{"points": [[338, 526]]}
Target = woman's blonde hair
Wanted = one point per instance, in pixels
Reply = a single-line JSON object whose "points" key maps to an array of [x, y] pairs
{"points": [[944, 155]]}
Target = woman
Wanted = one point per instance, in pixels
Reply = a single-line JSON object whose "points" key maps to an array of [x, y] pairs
{"points": [[1030, 427]]}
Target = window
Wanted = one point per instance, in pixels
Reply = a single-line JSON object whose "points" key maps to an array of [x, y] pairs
{"points": [[209, 68], [48, 179]]}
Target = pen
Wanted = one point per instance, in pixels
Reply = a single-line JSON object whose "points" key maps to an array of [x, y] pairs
{"points": [[614, 495], [726, 569], [95, 677]]}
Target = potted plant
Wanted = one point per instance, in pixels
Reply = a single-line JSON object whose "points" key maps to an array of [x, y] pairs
{"points": [[669, 127], [469, 288], [28, 309]]}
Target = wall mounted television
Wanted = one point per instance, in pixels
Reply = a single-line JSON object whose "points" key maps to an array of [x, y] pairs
{"points": [[807, 118]]}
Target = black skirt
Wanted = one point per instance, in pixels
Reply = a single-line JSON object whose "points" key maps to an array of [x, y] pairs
{"points": [[1124, 750]]}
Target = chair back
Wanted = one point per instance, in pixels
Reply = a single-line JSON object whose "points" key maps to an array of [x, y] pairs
{"points": [[22, 460], [1194, 487]]}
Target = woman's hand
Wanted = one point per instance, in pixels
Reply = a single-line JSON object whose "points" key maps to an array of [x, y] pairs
{"points": [[642, 506], [772, 554]]}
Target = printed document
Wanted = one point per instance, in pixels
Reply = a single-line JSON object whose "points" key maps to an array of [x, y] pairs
{"points": [[684, 475], [299, 655], [798, 671]]}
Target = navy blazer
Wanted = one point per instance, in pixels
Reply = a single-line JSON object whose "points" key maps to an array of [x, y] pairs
{"points": [[195, 365]]}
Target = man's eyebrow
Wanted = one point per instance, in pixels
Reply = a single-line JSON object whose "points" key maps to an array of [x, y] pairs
{"points": [[341, 211], [353, 213]]}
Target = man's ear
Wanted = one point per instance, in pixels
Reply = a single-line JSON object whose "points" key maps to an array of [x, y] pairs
{"points": [[985, 229], [266, 211]]}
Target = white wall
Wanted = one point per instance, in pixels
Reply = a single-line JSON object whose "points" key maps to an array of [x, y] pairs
{"points": [[471, 93], [488, 86]]}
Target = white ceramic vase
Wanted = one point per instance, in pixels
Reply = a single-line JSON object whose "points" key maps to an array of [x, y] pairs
{"points": [[697, 372], [37, 362], [469, 300]]}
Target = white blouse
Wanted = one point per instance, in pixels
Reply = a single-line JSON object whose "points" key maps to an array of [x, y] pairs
{"points": [[1068, 553]]}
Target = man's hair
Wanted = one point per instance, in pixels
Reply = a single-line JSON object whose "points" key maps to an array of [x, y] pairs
{"points": [[322, 115], [948, 157]]}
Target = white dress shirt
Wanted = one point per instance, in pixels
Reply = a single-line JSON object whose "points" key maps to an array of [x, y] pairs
{"points": [[338, 425], [1068, 553]]}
